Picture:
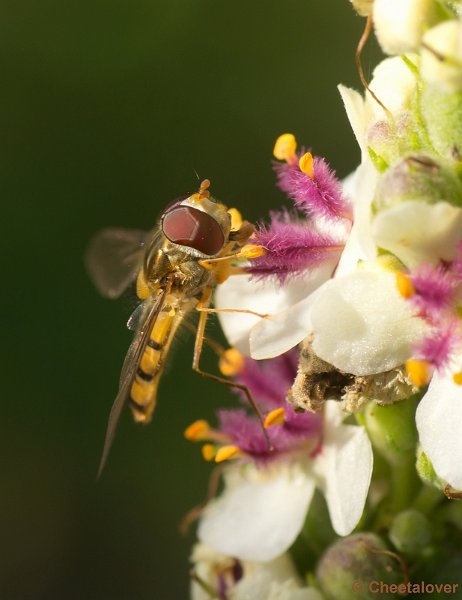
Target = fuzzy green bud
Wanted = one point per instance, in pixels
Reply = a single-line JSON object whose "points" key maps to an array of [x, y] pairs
{"points": [[421, 177], [352, 566], [442, 114], [410, 532]]}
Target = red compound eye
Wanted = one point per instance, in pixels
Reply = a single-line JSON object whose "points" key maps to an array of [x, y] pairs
{"points": [[194, 228]]}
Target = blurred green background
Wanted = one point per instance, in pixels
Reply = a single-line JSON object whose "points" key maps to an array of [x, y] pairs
{"points": [[107, 110]]}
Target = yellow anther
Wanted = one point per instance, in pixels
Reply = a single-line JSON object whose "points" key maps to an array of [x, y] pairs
{"points": [[404, 284], [418, 371], [457, 378], [197, 431], [306, 164], [226, 452], [285, 146], [209, 452], [231, 362], [252, 251], [275, 417], [236, 219]]}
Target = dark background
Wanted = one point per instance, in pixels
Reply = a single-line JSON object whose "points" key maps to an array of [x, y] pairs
{"points": [[107, 109]]}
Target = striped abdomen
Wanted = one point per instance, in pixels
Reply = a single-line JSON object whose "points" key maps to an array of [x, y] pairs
{"points": [[144, 387]]}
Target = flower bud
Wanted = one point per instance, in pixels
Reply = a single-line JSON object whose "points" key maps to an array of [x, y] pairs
{"points": [[394, 83], [392, 430], [442, 55], [363, 7], [410, 532], [442, 114], [399, 24], [348, 567], [418, 176]]}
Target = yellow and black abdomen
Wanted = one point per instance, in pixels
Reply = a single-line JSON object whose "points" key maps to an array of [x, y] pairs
{"points": [[143, 391]]}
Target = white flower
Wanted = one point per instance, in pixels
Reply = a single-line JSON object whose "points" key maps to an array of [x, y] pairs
{"points": [[442, 56], [439, 418], [289, 306], [362, 325], [417, 232], [393, 83], [265, 297], [262, 510], [275, 580], [400, 24]]}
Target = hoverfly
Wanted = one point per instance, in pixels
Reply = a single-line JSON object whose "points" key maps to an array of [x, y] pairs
{"points": [[176, 267]]}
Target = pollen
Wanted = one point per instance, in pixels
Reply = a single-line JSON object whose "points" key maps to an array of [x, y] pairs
{"points": [[231, 362], [197, 431], [252, 251], [457, 378], [209, 452], [227, 452], [285, 146], [306, 164], [404, 284], [418, 371], [236, 219], [275, 417]]}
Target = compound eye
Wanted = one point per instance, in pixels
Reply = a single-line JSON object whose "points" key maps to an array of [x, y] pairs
{"points": [[194, 228]]}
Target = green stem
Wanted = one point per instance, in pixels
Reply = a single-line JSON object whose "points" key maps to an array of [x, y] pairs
{"points": [[404, 481]]}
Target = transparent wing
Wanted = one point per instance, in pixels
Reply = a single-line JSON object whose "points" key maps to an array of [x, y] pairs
{"points": [[113, 258], [152, 307]]}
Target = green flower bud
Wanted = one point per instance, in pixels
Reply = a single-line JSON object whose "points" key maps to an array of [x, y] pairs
{"points": [[351, 568], [410, 532], [392, 430], [418, 177], [390, 141], [442, 114]]}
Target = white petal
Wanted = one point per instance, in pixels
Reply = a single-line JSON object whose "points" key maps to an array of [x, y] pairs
{"points": [[275, 335], [356, 113], [266, 297], [260, 579], [439, 422], [360, 244], [399, 24], [362, 325], [443, 40], [419, 232], [393, 83], [260, 513], [344, 468]]}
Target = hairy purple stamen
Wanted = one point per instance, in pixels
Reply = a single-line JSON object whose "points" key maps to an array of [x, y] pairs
{"points": [[291, 248]]}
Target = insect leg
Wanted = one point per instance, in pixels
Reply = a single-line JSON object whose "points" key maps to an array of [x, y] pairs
{"points": [[203, 308]]}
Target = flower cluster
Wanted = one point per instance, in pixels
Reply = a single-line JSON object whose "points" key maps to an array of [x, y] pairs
{"points": [[348, 336]]}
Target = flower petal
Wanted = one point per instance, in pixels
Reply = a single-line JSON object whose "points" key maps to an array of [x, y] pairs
{"points": [[279, 333], [263, 581], [260, 513], [418, 232], [267, 297], [344, 468], [356, 113], [439, 418], [362, 325], [360, 244]]}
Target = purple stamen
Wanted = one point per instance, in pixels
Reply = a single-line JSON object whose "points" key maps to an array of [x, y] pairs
{"points": [[317, 196], [291, 248]]}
